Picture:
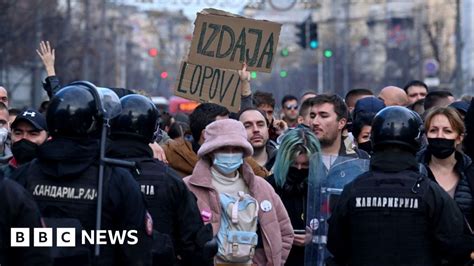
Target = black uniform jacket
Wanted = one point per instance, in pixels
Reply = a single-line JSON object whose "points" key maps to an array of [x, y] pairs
{"points": [[17, 209], [63, 181], [171, 204], [396, 216]]}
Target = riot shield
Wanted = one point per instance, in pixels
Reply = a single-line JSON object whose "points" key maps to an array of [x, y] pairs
{"points": [[327, 177]]}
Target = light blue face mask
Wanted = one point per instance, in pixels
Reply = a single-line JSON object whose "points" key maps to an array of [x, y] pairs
{"points": [[227, 163]]}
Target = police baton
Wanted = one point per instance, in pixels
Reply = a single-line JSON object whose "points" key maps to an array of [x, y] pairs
{"points": [[108, 105], [100, 189]]}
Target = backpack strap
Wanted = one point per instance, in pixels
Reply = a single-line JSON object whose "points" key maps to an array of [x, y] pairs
{"points": [[235, 208]]}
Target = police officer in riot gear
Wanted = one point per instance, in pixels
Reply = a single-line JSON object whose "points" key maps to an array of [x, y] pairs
{"points": [[392, 214], [172, 206], [64, 182], [18, 209]]}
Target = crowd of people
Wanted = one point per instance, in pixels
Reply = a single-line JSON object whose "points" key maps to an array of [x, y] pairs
{"points": [[223, 188]]}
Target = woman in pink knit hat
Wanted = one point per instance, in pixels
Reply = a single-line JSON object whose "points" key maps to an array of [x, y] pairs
{"points": [[221, 172]]}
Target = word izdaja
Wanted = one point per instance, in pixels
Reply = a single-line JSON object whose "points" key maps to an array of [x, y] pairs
{"points": [[254, 55], [223, 40]]}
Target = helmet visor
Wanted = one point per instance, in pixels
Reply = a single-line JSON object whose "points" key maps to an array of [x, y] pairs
{"points": [[110, 102]]}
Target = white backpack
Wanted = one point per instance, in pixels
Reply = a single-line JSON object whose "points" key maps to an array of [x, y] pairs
{"points": [[237, 237]]}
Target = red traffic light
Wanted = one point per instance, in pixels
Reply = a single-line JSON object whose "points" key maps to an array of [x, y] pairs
{"points": [[164, 74], [153, 52]]}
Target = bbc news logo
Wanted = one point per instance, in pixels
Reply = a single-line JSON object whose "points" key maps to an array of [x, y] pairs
{"points": [[66, 237]]}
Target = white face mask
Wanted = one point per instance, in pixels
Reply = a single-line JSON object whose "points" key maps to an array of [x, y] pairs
{"points": [[3, 135], [227, 163]]}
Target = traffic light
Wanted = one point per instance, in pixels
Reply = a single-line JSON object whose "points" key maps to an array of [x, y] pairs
{"points": [[283, 74], [301, 34], [284, 52], [164, 74], [253, 74], [313, 35], [327, 53]]}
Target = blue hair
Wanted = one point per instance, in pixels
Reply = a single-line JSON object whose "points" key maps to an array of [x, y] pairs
{"points": [[295, 142]]}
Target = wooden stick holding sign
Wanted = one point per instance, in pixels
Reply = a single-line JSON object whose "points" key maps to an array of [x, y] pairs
{"points": [[208, 84], [224, 40]]}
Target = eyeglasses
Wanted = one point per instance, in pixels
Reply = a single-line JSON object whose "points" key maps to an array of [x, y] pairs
{"points": [[289, 107]]}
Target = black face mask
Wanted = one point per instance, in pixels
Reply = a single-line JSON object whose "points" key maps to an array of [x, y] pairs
{"points": [[441, 148], [298, 174], [296, 181], [24, 151], [366, 146]]}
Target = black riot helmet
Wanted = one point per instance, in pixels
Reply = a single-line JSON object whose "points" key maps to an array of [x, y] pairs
{"points": [[139, 118], [79, 109], [74, 112], [397, 126]]}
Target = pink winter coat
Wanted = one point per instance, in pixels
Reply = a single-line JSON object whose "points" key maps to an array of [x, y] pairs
{"points": [[275, 224]]}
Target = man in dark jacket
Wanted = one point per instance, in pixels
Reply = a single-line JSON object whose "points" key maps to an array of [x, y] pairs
{"points": [[64, 183], [172, 206], [29, 131], [393, 215]]}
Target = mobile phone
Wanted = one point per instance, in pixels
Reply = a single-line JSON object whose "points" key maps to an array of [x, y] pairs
{"points": [[299, 231]]}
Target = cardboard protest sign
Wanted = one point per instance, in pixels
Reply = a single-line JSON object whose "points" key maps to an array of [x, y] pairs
{"points": [[208, 84], [224, 40]]}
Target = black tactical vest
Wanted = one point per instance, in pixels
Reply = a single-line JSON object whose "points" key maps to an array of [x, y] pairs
{"points": [[389, 220], [71, 201], [155, 186]]}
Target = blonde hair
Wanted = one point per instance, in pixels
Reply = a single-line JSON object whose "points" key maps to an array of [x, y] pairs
{"points": [[453, 116]]}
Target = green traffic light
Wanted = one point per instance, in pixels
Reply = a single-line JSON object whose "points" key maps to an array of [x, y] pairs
{"points": [[327, 53], [283, 73], [313, 44], [253, 74], [284, 52]]}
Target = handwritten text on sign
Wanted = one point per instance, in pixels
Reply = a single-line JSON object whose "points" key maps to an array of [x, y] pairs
{"points": [[208, 84], [226, 42]]}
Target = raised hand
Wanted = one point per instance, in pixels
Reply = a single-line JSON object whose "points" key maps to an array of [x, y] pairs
{"points": [[245, 78], [47, 56], [244, 74]]}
